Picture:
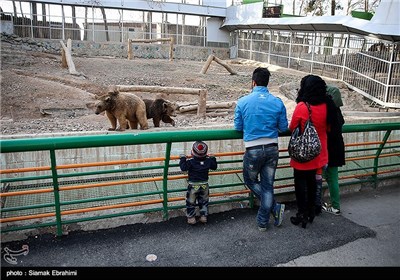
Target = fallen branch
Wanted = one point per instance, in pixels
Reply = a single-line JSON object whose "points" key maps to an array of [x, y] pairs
{"points": [[212, 57]]}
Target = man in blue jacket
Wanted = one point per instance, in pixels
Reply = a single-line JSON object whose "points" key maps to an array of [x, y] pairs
{"points": [[261, 116]]}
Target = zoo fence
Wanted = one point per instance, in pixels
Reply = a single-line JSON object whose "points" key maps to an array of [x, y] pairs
{"points": [[369, 67], [62, 186]]}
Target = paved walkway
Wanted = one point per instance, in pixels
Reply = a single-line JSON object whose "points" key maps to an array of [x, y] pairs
{"points": [[378, 210], [365, 235]]}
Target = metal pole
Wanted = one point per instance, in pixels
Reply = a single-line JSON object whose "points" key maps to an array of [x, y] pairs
{"points": [[93, 24], [30, 6], [122, 26], [49, 13], [165, 180], [251, 44], [346, 49], [237, 44], [270, 45], [313, 51], [63, 22], [378, 152], [389, 77], [56, 191], [290, 48]]}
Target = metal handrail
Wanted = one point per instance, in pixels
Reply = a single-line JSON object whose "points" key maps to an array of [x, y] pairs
{"points": [[369, 173]]}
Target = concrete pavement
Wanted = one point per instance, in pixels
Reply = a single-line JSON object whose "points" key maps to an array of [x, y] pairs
{"points": [[366, 235], [378, 210]]}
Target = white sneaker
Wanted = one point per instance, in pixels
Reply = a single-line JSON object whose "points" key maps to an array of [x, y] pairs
{"points": [[331, 210], [262, 229]]}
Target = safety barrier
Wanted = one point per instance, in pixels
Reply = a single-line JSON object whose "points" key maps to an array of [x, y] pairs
{"points": [[73, 190]]}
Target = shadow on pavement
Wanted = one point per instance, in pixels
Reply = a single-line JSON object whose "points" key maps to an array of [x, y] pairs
{"points": [[229, 239]]}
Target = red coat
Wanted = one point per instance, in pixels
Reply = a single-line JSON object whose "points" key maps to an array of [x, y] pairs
{"points": [[318, 117]]}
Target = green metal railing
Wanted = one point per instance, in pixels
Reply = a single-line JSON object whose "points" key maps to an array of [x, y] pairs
{"points": [[58, 195]]}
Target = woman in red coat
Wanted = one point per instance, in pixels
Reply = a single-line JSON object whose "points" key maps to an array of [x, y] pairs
{"points": [[312, 91]]}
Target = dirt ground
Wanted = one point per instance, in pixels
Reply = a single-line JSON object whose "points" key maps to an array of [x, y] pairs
{"points": [[39, 96]]}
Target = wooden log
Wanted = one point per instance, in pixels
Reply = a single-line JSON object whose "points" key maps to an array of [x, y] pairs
{"points": [[217, 114], [158, 89], [221, 105], [64, 63], [201, 110], [69, 45], [171, 49], [130, 54], [150, 40], [212, 57], [184, 109], [227, 67], [68, 57], [207, 64]]}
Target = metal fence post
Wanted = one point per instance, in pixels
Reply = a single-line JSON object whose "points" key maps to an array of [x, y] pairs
{"points": [[56, 191], [378, 153], [165, 180]]}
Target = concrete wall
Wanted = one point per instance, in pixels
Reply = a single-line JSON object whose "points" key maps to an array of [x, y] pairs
{"points": [[6, 27], [214, 33], [120, 50]]}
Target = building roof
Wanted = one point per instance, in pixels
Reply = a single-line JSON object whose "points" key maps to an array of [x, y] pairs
{"points": [[384, 25]]}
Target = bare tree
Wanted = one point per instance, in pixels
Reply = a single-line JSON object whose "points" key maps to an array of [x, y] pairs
{"points": [[73, 15], [76, 33], [85, 33], [365, 5], [321, 7], [105, 23], [315, 7], [20, 7], [149, 25], [97, 3], [373, 5], [350, 6], [15, 12], [34, 19], [301, 6], [44, 33], [120, 12]]}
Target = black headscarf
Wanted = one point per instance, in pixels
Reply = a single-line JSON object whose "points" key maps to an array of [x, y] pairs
{"points": [[313, 91]]}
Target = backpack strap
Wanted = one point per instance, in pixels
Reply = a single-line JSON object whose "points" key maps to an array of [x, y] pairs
{"points": [[309, 110]]}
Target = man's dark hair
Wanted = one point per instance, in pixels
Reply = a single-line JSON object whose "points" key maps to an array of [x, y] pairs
{"points": [[261, 76]]}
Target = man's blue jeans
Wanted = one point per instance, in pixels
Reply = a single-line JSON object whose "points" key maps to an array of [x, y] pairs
{"points": [[259, 167]]}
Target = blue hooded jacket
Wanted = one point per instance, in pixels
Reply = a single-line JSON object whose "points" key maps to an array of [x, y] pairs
{"points": [[260, 115]]}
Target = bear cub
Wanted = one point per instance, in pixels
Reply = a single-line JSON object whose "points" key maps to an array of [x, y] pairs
{"points": [[160, 110]]}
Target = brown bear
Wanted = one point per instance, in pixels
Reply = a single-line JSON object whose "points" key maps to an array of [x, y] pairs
{"points": [[160, 110], [123, 106]]}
